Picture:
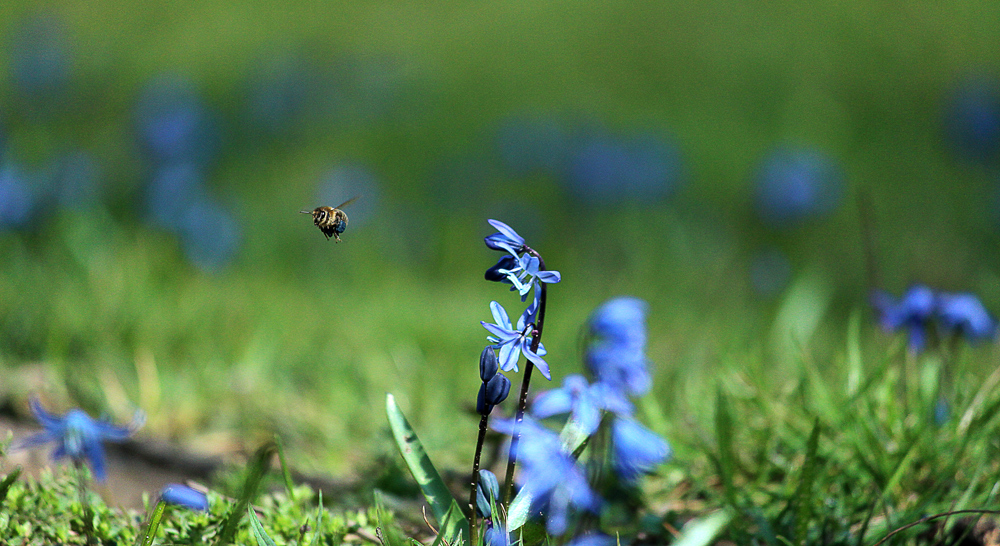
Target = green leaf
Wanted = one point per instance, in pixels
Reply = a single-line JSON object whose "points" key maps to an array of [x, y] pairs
{"points": [[258, 529], [146, 539], [445, 508], [319, 520], [702, 532], [7, 482], [257, 468], [517, 512]]}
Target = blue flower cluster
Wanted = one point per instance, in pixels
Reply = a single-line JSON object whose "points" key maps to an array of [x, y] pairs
{"points": [[616, 359], [920, 309], [78, 436], [524, 270]]}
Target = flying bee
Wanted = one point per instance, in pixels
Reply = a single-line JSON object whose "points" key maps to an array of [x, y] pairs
{"points": [[331, 220]]}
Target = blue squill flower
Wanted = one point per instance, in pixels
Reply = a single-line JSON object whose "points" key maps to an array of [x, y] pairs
{"points": [[78, 436], [593, 539], [526, 273], [637, 450], [621, 320], [505, 239], [912, 312], [964, 314], [549, 474], [495, 535], [581, 399], [512, 342], [182, 495]]}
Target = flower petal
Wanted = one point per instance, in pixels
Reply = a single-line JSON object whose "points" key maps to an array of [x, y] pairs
{"points": [[500, 316], [507, 231], [549, 403]]}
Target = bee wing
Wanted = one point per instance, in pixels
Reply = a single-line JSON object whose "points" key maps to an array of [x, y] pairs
{"points": [[348, 202]]}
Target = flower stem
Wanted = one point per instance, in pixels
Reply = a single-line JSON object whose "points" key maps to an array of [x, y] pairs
{"points": [[473, 519], [522, 401]]}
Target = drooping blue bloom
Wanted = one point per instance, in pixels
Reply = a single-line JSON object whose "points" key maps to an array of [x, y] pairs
{"points": [[511, 342], [495, 535], [582, 400], [505, 239], [210, 234], [607, 169], [913, 312], [621, 321], [636, 449], [549, 474], [526, 273], [972, 118], [964, 314], [487, 494], [78, 436], [498, 273], [17, 204], [182, 495], [795, 184]]}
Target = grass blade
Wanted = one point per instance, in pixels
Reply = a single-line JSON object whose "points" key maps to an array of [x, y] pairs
{"points": [[445, 508], [803, 499], [146, 538], [257, 468], [7, 482], [286, 474], [517, 512], [258, 529], [724, 439]]}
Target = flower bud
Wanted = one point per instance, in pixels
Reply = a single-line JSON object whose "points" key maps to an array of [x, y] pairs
{"points": [[182, 495], [481, 406], [488, 363], [497, 389]]}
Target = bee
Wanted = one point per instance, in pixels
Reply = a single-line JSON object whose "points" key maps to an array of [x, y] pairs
{"points": [[330, 220]]}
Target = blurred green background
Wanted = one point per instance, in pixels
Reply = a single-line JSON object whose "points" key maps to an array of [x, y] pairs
{"points": [[708, 157]]}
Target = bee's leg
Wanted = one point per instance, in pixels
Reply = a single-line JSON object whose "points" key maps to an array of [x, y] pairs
{"points": [[336, 236]]}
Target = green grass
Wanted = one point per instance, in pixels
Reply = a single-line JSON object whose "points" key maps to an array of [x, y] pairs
{"points": [[303, 338]]}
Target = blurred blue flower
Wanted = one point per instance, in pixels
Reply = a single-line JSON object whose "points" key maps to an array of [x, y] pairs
{"points": [[495, 535], [78, 437], [76, 181], [637, 450], [972, 118], [174, 124], [39, 55], [16, 201], [182, 495], [607, 169], [582, 400], [278, 92], [552, 477], [170, 192], [530, 144], [210, 235], [488, 493], [511, 342], [913, 312], [964, 314], [617, 357], [795, 184], [620, 320], [505, 239]]}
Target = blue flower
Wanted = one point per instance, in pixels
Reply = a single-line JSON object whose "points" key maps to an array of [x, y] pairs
{"points": [[496, 535], [637, 450], [795, 184], [498, 273], [621, 367], [581, 399], [549, 474], [526, 273], [506, 239], [182, 495], [79, 437], [593, 539], [965, 314], [511, 342], [621, 320], [913, 312]]}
